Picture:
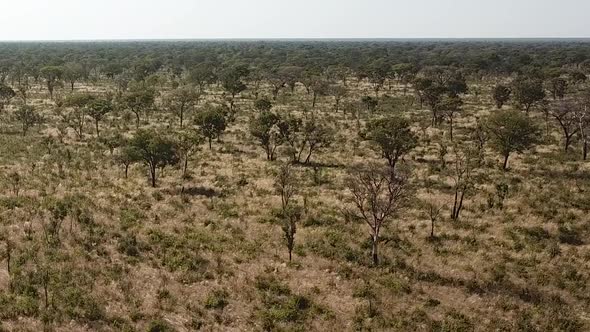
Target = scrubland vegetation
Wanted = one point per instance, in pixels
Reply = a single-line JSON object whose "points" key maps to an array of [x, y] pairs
{"points": [[295, 186]]}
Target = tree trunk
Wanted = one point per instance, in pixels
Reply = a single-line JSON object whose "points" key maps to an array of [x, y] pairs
{"points": [[210, 146], [505, 166], [97, 130], [432, 228], [374, 250], [451, 130], [137, 119], [181, 116], [153, 175], [454, 211]]}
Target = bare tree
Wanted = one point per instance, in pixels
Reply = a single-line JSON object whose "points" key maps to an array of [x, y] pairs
{"points": [[462, 178], [582, 116], [378, 193], [565, 114], [434, 209], [290, 214]]}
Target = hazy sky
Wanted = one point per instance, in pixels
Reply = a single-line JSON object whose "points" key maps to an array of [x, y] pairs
{"points": [[151, 19]]}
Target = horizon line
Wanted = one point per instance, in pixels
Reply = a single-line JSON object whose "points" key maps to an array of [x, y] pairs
{"points": [[298, 39]]}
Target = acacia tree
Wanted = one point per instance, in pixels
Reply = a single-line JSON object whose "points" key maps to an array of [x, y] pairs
{"points": [[511, 131], [265, 129], [290, 213], [211, 123], [501, 95], [433, 96], [304, 136], [263, 105], [378, 194], [201, 76], [6, 94], [565, 113], [155, 151], [28, 117], [51, 74], [137, 101], [77, 118], [182, 100], [187, 143], [232, 83], [98, 109], [72, 72], [393, 137], [528, 92], [450, 106], [339, 93], [557, 87], [127, 156], [318, 87]]}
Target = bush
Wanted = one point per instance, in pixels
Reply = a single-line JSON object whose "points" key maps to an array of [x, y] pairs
{"points": [[217, 299]]}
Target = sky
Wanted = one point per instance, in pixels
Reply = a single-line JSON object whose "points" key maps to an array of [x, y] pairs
{"points": [[257, 19]]}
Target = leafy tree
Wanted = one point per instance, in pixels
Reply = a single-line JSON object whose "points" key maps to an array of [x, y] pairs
{"points": [[377, 195], [450, 106], [6, 94], [112, 141], [265, 129], [464, 165], [578, 77], [138, 101], [370, 103], [77, 118], [528, 92], [405, 73], [72, 72], [511, 131], [501, 95], [155, 150], [377, 74], [51, 74], [277, 81], [232, 83], [127, 156], [433, 95], [211, 123], [339, 93], [263, 105], [304, 136], [182, 100], [393, 137], [28, 117], [421, 85], [456, 84], [98, 109], [201, 75], [319, 87], [187, 143], [558, 87]]}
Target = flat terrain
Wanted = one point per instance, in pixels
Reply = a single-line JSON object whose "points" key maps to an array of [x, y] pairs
{"points": [[206, 251]]}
